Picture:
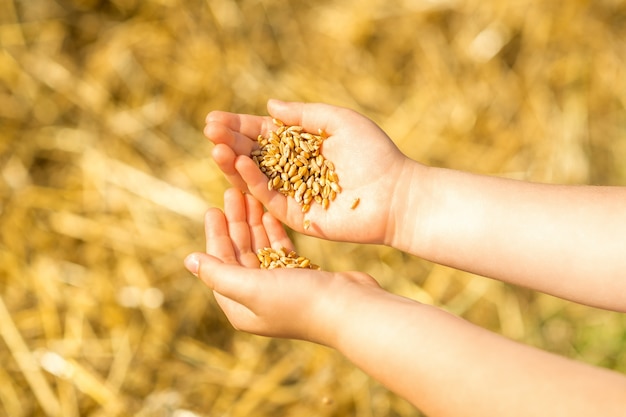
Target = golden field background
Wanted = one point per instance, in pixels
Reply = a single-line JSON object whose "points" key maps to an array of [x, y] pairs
{"points": [[105, 175]]}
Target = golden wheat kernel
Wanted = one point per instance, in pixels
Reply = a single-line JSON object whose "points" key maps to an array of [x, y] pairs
{"points": [[336, 188], [329, 164], [291, 170], [316, 188], [305, 146], [303, 187], [355, 203], [326, 190], [306, 208], [297, 184], [298, 197], [324, 171], [295, 179], [306, 224], [325, 203], [332, 195], [305, 263]]}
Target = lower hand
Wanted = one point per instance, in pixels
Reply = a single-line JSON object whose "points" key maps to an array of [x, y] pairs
{"points": [[291, 303]]}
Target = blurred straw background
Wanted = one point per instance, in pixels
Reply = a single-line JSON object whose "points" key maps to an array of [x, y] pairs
{"points": [[105, 175]]}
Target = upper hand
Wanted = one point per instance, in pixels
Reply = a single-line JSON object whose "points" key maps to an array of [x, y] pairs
{"points": [[369, 166]]}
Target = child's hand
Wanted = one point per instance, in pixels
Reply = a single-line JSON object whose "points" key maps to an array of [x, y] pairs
{"points": [[291, 303], [368, 164]]}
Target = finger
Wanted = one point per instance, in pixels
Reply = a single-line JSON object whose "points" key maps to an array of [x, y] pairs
{"points": [[276, 233], [250, 126], [220, 134], [238, 228], [257, 184], [258, 235], [218, 241], [209, 273], [224, 157]]}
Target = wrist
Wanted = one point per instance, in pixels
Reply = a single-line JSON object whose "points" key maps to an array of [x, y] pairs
{"points": [[336, 311], [374, 318], [410, 207]]}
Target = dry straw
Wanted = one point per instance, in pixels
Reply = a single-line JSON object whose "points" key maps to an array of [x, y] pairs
{"points": [[105, 176]]}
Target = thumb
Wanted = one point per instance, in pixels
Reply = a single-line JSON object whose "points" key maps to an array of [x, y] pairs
{"points": [[192, 262], [232, 281], [311, 116]]}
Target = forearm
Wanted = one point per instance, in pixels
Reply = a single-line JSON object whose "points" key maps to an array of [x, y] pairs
{"points": [[448, 367], [569, 241]]}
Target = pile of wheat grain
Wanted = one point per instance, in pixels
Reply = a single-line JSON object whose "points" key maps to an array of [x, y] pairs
{"points": [[295, 166]]}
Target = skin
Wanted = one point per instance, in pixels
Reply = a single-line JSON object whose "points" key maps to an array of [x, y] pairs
{"points": [[541, 236]]}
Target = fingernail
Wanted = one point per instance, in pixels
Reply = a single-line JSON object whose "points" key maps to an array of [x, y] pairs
{"points": [[192, 263], [275, 102]]}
